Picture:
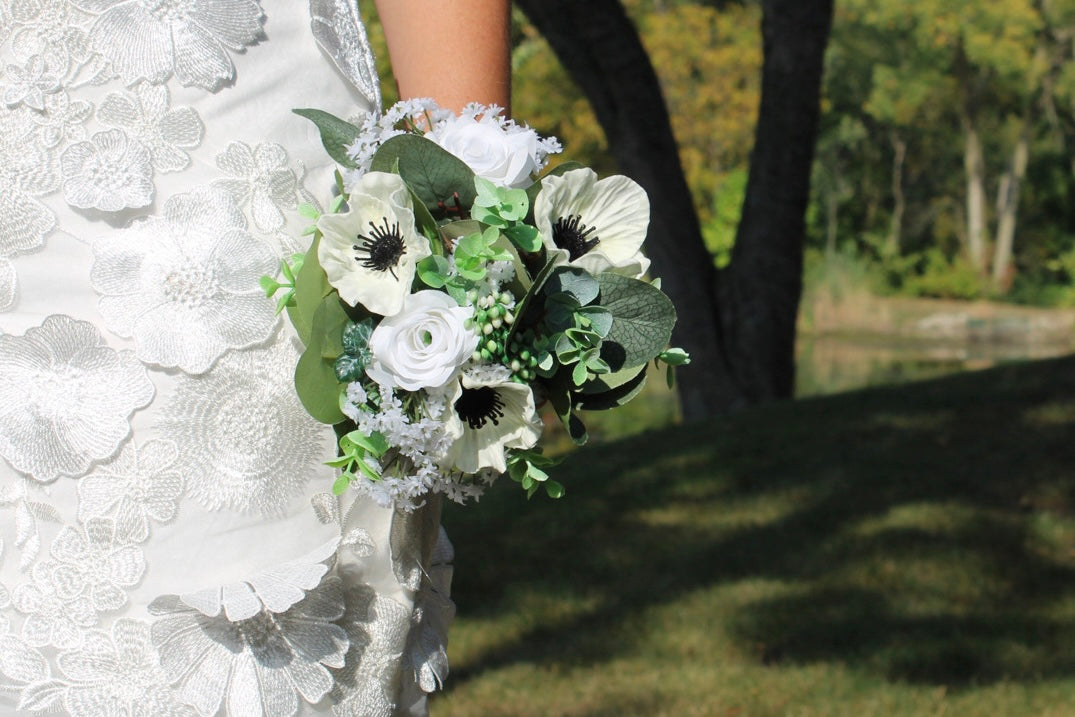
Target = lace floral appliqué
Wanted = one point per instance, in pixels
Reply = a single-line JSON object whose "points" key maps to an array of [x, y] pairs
{"points": [[65, 398], [185, 285], [109, 172], [97, 561], [151, 40], [117, 674], [261, 179], [246, 441], [141, 485], [144, 114], [254, 667]]}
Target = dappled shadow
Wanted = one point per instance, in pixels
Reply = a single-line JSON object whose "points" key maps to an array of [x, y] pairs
{"points": [[904, 526]]}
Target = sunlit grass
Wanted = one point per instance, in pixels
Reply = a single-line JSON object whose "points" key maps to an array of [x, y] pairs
{"points": [[908, 551]]}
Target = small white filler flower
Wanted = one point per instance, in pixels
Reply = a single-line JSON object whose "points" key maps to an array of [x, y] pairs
{"points": [[370, 251], [596, 225]]}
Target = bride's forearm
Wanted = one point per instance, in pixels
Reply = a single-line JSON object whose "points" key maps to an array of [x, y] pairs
{"points": [[455, 51]]}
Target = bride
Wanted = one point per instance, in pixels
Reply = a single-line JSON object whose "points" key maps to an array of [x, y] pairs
{"points": [[169, 544]]}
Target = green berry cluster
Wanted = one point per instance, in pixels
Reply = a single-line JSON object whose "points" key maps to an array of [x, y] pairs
{"points": [[493, 319]]}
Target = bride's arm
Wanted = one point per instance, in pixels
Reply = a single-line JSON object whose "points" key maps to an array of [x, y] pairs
{"points": [[455, 51]]}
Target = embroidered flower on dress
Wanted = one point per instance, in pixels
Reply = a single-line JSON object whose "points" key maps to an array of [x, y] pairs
{"points": [[141, 484], [260, 178], [274, 590], [108, 172], [118, 674], [29, 84], [151, 40], [9, 284], [96, 560], [26, 172], [144, 114], [63, 121], [245, 440], [378, 627], [185, 285], [51, 619], [65, 398], [256, 667]]}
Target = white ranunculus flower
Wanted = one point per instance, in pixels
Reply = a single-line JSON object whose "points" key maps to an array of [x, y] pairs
{"points": [[505, 154], [423, 345], [369, 252], [489, 416], [596, 225]]}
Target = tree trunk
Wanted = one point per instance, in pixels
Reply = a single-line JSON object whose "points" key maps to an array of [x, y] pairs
{"points": [[1007, 206], [600, 48], [974, 169], [759, 291], [899, 202]]}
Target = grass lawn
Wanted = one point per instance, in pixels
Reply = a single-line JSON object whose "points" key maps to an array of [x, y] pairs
{"points": [[901, 551]]}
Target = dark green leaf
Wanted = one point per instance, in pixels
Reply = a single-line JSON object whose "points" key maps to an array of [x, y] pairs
{"points": [[349, 367], [576, 282], [615, 396], [642, 321], [336, 134], [434, 174]]}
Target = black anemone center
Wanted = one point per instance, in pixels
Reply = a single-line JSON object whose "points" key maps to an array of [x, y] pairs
{"points": [[478, 406], [382, 248], [571, 234]]}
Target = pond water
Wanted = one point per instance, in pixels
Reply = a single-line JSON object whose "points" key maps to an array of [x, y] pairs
{"points": [[831, 364]]}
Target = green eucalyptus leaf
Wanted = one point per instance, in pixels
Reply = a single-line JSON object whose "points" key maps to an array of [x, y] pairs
{"points": [[524, 316], [329, 322], [434, 271], [317, 386], [576, 282], [432, 173], [525, 237], [642, 320], [311, 287], [590, 399], [336, 134], [554, 489]]}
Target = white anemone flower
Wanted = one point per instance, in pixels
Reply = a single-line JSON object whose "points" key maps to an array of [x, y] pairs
{"points": [[489, 415], [370, 251], [596, 225]]}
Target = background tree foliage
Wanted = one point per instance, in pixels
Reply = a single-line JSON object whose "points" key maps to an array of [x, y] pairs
{"points": [[708, 60], [946, 151]]}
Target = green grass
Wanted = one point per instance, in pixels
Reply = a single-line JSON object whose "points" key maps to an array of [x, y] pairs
{"points": [[901, 551]]}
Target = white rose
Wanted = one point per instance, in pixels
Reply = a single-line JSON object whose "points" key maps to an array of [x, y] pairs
{"points": [[506, 156], [423, 345]]}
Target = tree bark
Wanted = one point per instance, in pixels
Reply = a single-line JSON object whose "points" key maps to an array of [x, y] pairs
{"points": [[899, 202], [759, 291], [600, 48], [1007, 208], [974, 170]]}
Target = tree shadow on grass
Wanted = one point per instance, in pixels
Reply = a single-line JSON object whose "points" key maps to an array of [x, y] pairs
{"points": [[905, 526]]}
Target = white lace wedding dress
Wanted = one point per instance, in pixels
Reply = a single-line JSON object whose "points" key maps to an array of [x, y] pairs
{"points": [[168, 542]]}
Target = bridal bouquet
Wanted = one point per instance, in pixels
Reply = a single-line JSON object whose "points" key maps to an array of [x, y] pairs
{"points": [[449, 291]]}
